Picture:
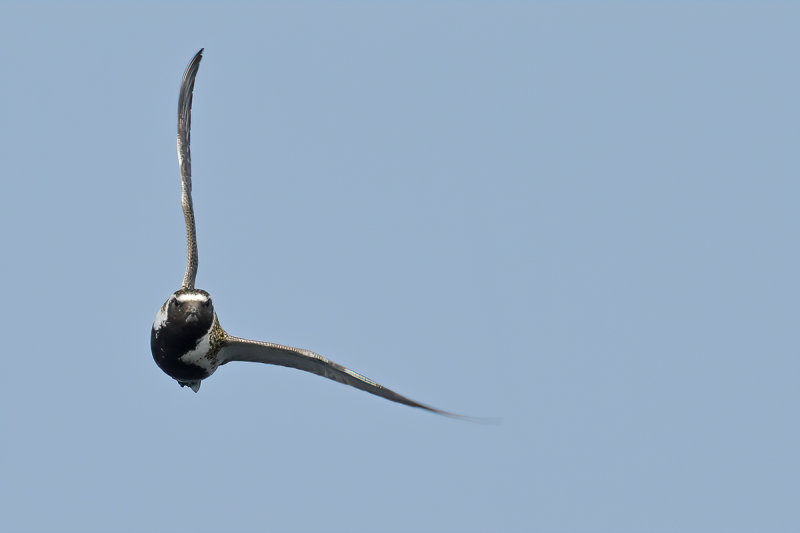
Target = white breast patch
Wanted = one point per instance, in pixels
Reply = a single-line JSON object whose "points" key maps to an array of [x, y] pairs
{"points": [[197, 356]]}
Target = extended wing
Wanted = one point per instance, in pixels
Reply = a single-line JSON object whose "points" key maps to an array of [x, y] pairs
{"points": [[236, 349], [185, 162]]}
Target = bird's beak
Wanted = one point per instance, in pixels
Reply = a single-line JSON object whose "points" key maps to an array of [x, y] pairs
{"points": [[192, 313]]}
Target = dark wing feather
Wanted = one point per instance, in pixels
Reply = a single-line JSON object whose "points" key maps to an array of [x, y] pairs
{"points": [[185, 162], [236, 349]]}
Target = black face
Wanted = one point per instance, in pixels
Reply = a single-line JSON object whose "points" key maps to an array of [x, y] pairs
{"points": [[187, 316], [191, 312]]}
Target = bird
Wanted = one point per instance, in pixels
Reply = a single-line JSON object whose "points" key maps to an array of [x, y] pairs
{"points": [[187, 340]]}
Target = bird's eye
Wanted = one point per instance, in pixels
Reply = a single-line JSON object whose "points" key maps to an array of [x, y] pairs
{"points": [[207, 303]]}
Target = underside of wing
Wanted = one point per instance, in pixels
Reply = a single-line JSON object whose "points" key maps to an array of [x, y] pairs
{"points": [[236, 349], [185, 116], [185, 162]]}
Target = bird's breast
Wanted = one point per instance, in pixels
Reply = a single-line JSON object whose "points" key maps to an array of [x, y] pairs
{"points": [[183, 355]]}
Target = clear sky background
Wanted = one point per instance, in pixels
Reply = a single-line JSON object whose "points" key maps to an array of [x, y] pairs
{"points": [[580, 218]]}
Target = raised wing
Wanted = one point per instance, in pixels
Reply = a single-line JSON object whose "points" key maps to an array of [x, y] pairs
{"points": [[236, 349], [185, 162]]}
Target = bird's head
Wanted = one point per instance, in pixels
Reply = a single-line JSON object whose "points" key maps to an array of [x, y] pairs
{"points": [[189, 310]]}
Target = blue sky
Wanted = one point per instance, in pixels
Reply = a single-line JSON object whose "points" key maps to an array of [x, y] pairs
{"points": [[581, 218]]}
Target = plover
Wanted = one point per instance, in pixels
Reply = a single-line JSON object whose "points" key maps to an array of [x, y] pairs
{"points": [[187, 340]]}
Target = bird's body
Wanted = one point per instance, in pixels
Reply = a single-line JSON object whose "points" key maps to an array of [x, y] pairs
{"points": [[186, 339]]}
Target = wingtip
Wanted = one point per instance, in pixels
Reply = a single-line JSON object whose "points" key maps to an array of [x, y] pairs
{"points": [[487, 421], [491, 421], [197, 57], [195, 60]]}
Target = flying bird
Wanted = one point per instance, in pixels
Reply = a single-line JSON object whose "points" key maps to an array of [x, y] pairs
{"points": [[186, 339]]}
